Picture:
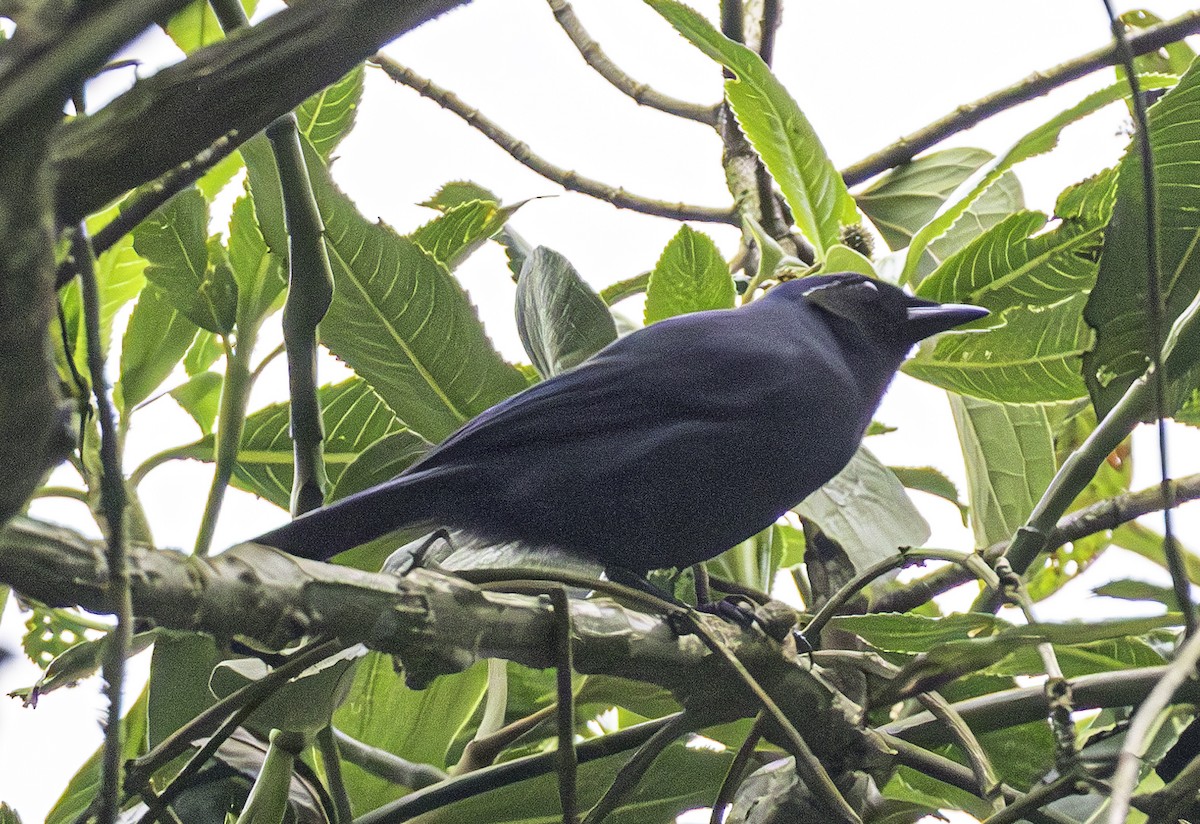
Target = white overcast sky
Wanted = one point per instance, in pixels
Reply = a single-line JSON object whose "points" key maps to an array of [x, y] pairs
{"points": [[864, 71]]}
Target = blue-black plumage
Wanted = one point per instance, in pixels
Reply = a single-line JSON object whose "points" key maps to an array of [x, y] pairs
{"points": [[668, 446]]}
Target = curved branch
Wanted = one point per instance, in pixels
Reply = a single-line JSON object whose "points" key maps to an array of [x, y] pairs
{"points": [[521, 152], [643, 94], [1036, 85]]}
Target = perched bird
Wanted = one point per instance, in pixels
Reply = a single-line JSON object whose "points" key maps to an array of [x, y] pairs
{"points": [[668, 446]]}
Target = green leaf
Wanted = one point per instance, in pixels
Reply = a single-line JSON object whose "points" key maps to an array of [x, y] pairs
{"points": [[381, 461], [305, 703], [690, 276], [460, 230], [1128, 589], [457, 193], [1173, 58], [49, 633], [681, 778], [179, 675], [120, 277], [1039, 141], [866, 511], [354, 416], [908, 633], [931, 481], [174, 240], [1118, 306], [844, 259], [218, 177], [1032, 355], [155, 341], [195, 26], [327, 116], [1009, 452], [778, 130], [402, 323], [204, 352], [1009, 265], [906, 198], [200, 397], [262, 177], [561, 321], [418, 725], [626, 288], [993, 206], [259, 274]]}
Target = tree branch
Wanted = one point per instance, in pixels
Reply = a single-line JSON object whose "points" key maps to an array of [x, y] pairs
{"points": [[642, 93], [521, 152], [1099, 517], [174, 115], [1036, 85]]}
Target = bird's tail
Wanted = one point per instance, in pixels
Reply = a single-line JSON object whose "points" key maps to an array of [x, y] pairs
{"points": [[319, 535]]}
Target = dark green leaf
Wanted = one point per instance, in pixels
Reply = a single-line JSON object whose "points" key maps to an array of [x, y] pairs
{"points": [[562, 322], [155, 340], [402, 323], [305, 704], [690, 276], [327, 116], [1118, 306], [200, 397], [906, 198], [77, 662], [779, 131], [49, 633], [174, 240]]}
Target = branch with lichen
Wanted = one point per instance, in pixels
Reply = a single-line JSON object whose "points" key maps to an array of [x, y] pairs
{"points": [[642, 93], [521, 152], [1034, 86]]}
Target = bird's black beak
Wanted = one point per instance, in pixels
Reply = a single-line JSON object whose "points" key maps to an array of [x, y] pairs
{"points": [[924, 321]]}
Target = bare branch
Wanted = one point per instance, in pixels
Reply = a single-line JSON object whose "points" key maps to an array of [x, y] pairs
{"points": [[642, 93], [1036, 85], [521, 152]]}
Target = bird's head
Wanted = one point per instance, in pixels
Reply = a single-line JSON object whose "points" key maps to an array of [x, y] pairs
{"points": [[877, 310]]}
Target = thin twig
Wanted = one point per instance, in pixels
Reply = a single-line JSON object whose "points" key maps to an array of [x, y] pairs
{"points": [[736, 772], [382, 764], [568, 759], [1156, 311], [331, 759], [633, 769], [523, 154], [1035, 799], [1036, 85], [1130, 759], [977, 758], [771, 17], [972, 563], [112, 503], [643, 94]]}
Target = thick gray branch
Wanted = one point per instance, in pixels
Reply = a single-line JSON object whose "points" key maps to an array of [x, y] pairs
{"points": [[240, 84]]}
